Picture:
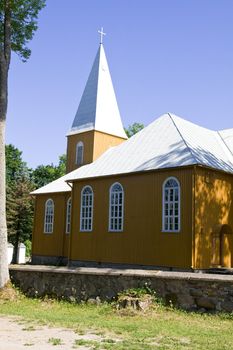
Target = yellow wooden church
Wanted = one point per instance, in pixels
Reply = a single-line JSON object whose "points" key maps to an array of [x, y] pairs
{"points": [[161, 198]]}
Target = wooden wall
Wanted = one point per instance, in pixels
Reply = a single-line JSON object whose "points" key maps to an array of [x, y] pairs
{"points": [[103, 141], [213, 209], [56, 243], [205, 239], [142, 240], [88, 140]]}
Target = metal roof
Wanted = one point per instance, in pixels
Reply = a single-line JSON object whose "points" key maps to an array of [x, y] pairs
{"points": [[98, 109], [59, 185], [168, 142], [227, 136]]}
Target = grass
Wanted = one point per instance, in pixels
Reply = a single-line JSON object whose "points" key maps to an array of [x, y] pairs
{"points": [[28, 328], [28, 344], [160, 328], [55, 341]]}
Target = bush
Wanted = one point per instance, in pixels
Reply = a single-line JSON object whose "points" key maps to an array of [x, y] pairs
{"points": [[28, 245]]}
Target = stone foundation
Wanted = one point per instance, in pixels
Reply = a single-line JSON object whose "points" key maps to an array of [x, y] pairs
{"points": [[49, 260], [189, 291]]}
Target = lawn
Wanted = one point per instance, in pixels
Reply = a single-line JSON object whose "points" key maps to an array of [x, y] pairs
{"points": [[159, 328]]}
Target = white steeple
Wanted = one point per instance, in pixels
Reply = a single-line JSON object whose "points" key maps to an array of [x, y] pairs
{"points": [[98, 109]]}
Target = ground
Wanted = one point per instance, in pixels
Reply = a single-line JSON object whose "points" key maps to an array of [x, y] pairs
{"points": [[44, 324], [16, 333]]}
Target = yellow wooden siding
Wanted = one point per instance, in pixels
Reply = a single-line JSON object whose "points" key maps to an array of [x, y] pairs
{"points": [[66, 236], [56, 243], [213, 208], [103, 141], [142, 240], [88, 140]]}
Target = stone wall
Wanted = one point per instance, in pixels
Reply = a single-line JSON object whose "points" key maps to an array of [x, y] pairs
{"points": [[189, 291]]}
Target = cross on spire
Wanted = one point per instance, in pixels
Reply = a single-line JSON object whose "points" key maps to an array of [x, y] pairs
{"points": [[101, 32]]}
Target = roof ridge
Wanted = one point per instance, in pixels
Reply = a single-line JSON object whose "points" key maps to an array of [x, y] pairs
{"points": [[218, 132], [193, 156]]}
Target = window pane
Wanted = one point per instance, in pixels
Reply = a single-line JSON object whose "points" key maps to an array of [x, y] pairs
{"points": [[68, 215], [116, 207], [171, 195], [79, 153], [49, 215], [171, 205], [86, 209]]}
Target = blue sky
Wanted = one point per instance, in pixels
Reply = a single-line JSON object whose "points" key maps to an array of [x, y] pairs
{"points": [[164, 56]]}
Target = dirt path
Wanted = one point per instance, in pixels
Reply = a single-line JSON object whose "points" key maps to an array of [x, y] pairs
{"points": [[18, 334]]}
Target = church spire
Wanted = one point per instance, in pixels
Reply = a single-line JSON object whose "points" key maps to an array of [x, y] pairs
{"points": [[98, 109]]}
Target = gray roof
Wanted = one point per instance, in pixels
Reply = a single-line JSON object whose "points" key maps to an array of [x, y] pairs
{"points": [[227, 136], [98, 109], [167, 142]]}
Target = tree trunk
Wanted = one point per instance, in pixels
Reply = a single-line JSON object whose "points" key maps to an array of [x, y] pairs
{"points": [[5, 56], [4, 274]]}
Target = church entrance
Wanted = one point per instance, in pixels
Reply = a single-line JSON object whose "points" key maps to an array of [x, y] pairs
{"points": [[221, 246]]}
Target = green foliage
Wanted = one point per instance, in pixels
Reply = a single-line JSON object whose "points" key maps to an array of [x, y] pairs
{"points": [[133, 129], [139, 292], [20, 181], [19, 209], [133, 292], [15, 167], [62, 164], [19, 203], [28, 245], [44, 174], [55, 341], [24, 15]]}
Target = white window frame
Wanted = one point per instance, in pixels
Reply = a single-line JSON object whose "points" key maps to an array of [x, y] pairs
{"points": [[84, 209], [48, 224], [117, 217], [68, 215], [79, 146], [173, 202]]}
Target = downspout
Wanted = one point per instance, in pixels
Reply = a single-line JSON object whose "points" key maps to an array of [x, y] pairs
{"points": [[34, 224], [61, 258], [69, 249], [193, 217]]}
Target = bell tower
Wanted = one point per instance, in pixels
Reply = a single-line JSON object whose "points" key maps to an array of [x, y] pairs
{"points": [[97, 124]]}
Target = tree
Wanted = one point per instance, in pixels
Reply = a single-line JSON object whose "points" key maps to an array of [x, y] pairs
{"points": [[62, 165], [18, 23], [133, 129], [15, 166], [19, 204], [20, 211], [45, 174]]}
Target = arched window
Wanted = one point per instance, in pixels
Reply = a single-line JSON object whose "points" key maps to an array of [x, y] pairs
{"points": [[68, 215], [79, 153], [86, 215], [171, 205], [116, 207], [49, 216]]}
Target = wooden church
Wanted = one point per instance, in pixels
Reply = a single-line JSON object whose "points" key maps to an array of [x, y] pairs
{"points": [[162, 198]]}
